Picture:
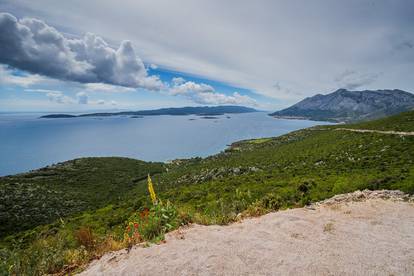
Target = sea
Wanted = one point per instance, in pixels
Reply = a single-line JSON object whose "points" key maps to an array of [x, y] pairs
{"points": [[28, 142]]}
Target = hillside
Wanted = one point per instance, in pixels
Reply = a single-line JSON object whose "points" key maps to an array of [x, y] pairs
{"points": [[347, 106], [251, 177], [196, 110], [45, 195]]}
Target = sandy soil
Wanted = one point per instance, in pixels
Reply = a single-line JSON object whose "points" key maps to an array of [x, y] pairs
{"points": [[341, 236]]}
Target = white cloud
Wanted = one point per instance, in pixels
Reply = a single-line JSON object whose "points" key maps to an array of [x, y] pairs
{"points": [[215, 40], [41, 90], [178, 80], [32, 45], [205, 94], [218, 99], [59, 97], [8, 78], [151, 83], [82, 98], [182, 87], [103, 87]]}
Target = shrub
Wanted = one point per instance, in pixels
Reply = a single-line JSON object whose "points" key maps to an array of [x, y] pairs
{"points": [[256, 209], [272, 201], [305, 186], [151, 224], [85, 237]]}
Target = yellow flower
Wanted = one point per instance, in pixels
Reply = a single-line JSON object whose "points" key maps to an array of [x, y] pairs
{"points": [[151, 191]]}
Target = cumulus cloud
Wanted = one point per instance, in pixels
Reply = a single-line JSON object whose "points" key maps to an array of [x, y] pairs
{"points": [[178, 80], [304, 55], [205, 94], [180, 86], [82, 98], [350, 79], [59, 97], [32, 45]]}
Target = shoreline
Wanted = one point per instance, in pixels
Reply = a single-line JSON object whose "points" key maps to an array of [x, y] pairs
{"points": [[225, 146]]}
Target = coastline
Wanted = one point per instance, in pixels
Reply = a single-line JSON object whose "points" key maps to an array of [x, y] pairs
{"points": [[275, 128]]}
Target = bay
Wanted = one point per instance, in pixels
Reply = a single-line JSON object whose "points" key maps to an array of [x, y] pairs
{"points": [[27, 142]]}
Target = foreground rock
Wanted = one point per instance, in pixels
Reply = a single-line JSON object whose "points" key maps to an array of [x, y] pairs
{"points": [[362, 233]]}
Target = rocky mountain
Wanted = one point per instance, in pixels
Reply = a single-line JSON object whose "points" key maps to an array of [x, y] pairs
{"points": [[347, 106]]}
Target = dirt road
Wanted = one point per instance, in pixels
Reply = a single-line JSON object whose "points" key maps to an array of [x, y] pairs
{"points": [[401, 133], [352, 234]]}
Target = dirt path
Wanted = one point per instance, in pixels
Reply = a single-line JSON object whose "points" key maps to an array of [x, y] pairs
{"points": [[401, 133], [352, 234]]}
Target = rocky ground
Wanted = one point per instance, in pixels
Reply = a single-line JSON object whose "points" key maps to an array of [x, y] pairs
{"points": [[362, 233]]}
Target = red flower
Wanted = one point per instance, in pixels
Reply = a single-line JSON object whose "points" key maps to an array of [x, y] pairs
{"points": [[144, 213], [135, 225]]}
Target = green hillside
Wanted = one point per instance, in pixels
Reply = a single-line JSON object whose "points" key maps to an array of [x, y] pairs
{"points": [[44, 195], [401, 122], [249, 178]]}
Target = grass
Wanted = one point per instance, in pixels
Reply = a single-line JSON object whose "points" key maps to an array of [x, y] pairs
{"points": [[329, 227], [249, 178], [259, 141]]}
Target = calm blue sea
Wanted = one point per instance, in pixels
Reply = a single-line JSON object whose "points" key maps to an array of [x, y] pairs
{"points": [[28, 143]]}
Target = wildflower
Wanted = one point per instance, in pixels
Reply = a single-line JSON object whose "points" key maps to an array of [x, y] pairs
{"points": [[144, 214], [151, 191], [135, 225]]}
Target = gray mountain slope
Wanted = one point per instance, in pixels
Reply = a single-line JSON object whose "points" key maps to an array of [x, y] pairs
{"points": [[347, 106]]}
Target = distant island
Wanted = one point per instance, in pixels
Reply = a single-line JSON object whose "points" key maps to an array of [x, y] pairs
{"points": [[197, 110], [349, 106]]}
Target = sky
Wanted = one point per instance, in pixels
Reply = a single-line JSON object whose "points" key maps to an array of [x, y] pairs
{"points": [[132, 54]]}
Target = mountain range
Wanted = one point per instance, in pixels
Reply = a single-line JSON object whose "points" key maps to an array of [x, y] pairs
{"points": [[349, 106]]}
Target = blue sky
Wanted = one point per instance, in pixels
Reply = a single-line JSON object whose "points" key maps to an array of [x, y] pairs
{"points": [[27, 92], [103, 55]]}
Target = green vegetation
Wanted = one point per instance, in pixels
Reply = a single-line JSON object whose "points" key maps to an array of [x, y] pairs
{"points": [[45, 195], [401, 122], [249, 178], [151, 224]]}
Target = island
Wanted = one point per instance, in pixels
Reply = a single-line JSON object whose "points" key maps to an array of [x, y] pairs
{"points": [[189, 110]]}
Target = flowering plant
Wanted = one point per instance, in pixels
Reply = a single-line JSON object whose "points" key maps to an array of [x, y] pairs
{"points": [[151, 223]]}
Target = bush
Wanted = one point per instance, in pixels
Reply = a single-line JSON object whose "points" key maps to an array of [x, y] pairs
{"points": [[151, 224], [84, 236], [272, 202]]}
